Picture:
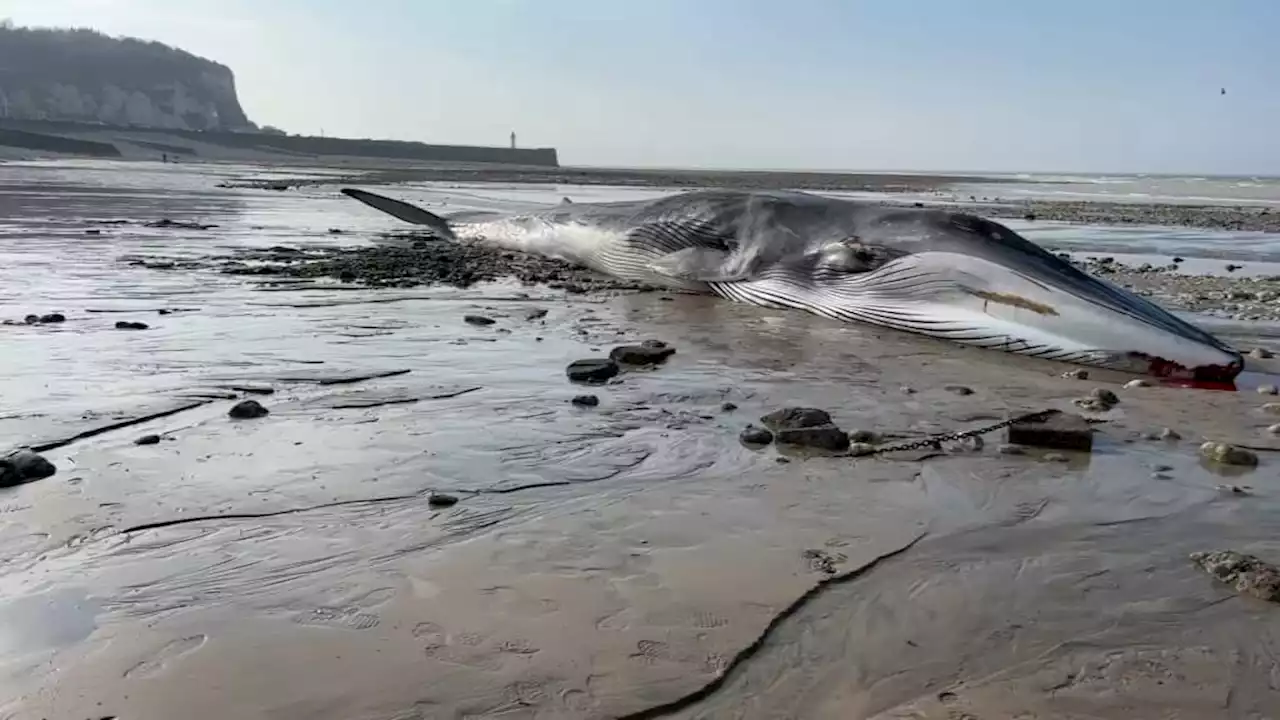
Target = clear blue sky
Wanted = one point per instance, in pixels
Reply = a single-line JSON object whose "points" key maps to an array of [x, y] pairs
{"points": [[1000, 85]]}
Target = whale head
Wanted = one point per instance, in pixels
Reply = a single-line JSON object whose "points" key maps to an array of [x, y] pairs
{"points": [[975, 281]]}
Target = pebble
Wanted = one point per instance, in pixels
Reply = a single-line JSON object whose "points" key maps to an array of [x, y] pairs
{"points": [[535, 314], [1078, 374], [1268, 390], [908, 390], [1235, 489], [53, 318], [592, 370], [24, 466], [585, 400], [152, 439], [753, 435], [859, 449], [1274, 429], [1271, 408], [959, 389], [1054, 457], [1137, 383], [1261, 353], [441, 500], [1010, 449], [650, 352], [728, 407], [1228, 454], [247, 410], [1105, 396], [128, 325], [478, 320], [864, 436], [1163, 468], [973, 443]]}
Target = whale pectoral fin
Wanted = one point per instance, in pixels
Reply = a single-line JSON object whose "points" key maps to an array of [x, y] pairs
{"points": [[696, 251], [402, 210]]}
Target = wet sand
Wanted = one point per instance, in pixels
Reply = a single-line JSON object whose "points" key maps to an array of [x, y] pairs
{"points": [[631, 559]]}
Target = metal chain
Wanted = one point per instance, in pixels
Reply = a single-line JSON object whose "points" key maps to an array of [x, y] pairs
{"points": [[935, 440]]}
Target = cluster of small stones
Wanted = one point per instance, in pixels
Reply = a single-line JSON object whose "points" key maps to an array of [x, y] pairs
{"points": [[1098, 400], [1238, 298], [418, 261], [596, 371], [52, 318], [1212, 217]]}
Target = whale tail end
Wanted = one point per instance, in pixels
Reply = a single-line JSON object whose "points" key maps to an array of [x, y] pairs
{"points": [[403, 210]]}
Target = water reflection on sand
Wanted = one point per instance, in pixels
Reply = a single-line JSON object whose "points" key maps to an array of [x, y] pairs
{"points": [[601, 562]]}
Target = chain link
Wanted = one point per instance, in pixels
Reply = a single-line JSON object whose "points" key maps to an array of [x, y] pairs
{"points": [[935, 441]]}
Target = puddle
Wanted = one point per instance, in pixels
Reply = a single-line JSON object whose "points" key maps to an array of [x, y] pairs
{"points": [[34, 627]]}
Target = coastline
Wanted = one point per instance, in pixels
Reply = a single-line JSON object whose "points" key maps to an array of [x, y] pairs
{"points": [[943, 189]]}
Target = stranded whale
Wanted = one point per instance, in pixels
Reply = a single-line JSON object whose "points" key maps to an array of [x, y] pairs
{"points": [[944, 274]]}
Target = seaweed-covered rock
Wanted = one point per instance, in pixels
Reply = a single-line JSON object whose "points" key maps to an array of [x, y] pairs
{"points": [[806, 427], [1228, 454], [1248, 574], [796, 417]]}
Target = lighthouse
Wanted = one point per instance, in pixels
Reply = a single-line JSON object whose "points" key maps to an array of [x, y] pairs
{"points": [[513, 140]]}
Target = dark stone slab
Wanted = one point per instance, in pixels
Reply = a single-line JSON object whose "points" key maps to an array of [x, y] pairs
{"points": [[1060, 431]]}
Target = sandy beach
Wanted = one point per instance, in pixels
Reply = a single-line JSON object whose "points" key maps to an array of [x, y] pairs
{"points": [[429, 521]]}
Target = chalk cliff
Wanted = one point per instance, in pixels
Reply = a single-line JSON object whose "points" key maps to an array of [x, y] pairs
{"points": [[85, 76]]}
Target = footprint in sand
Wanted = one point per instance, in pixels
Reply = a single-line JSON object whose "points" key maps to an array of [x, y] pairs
{"points": [[166, 655], [649, 652], [461, 649], [344, 618], [518, 646]]}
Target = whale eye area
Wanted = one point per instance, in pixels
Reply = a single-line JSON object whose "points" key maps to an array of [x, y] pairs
{"points": [[852, 256]]}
